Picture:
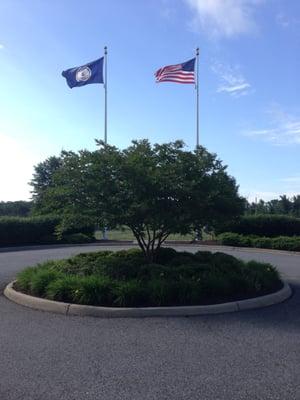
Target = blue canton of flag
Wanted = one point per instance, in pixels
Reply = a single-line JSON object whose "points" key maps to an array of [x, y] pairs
{"points": [[89, 73]]}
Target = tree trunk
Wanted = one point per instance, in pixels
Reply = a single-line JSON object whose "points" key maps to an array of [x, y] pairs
{"points": [[151, 245]]}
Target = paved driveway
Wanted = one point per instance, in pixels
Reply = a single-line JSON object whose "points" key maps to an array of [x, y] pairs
{"points": [[246, 355]]}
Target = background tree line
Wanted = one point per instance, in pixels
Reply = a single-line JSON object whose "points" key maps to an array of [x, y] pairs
{"points": [[281, 206], [19, 208]]}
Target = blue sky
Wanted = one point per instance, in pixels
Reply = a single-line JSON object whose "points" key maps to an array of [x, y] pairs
{"points": [[249, 83]]}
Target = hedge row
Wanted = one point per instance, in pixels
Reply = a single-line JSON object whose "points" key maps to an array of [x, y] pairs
{"points": [[264, 225], [278, 243], [39, 230]]}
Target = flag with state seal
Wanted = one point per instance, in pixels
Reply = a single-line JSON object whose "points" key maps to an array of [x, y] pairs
{"points": [[91, 72]]}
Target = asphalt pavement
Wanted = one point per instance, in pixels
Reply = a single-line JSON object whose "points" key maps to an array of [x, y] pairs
{"points": [[251, 355]]}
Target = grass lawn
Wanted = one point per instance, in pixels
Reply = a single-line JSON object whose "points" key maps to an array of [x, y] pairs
{"points": [[126, 234]]}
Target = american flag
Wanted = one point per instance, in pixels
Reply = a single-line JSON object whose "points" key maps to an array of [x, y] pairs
{"points": [[179, 73]]}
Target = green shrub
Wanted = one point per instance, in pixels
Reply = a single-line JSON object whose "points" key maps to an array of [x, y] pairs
{"points": [[224, 262], [216, 284], [71, 267], [261, 276], [262, 242], [120, 279], [24, 279], [174, 292], [183, 258], [63, 289], [286, 243], [94, 290], [203, 256], [41, 279], [164, 255], [17, 230], [109, 263], [234, 239], [80, 227], [77, 238], [278, 243], [130, 294], [162, 292], [264, 225], [133, 256], [122, 265], [39, 230], [153, 271], [188, 292]]}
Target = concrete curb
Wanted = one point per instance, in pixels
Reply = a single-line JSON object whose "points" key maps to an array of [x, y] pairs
{"points": [[34, 302], [112, 312]]}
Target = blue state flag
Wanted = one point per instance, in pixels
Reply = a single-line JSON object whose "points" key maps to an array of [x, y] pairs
{"points": [[91, 72]]}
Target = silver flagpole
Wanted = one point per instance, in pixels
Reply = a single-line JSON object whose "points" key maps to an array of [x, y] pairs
{"points": [[104, 236], [198, 232], [105, 89], [197, 96]]}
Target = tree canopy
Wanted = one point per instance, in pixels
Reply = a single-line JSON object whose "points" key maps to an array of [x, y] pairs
{"points": [[42, 180], [154, 190]]}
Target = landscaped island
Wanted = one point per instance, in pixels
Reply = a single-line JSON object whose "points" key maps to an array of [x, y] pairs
{"points": [[124, 279]]}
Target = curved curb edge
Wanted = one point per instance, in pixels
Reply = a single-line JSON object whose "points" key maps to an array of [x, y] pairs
{"points": [[112, 312]]}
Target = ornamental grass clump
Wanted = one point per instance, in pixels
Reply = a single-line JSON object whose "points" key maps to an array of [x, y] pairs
{"points": [[130, 294], [64, 288], [41, 279]]}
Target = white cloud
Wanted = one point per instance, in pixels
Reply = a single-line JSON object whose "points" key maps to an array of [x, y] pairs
{"points": [[226, 18], [282, 129], [1, 46], [231, 80]]}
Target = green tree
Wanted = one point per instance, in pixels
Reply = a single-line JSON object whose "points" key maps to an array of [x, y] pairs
{"points": [[43, 180], [274, 207], [154, 190], [296, 205], [286, 204]]}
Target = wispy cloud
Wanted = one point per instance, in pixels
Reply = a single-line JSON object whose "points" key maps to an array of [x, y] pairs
{"points": [[286, 21], [292, 179], [231, 80], [1, 46], [282, 20], [224, 18], [282, 129], [167, 9]]}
